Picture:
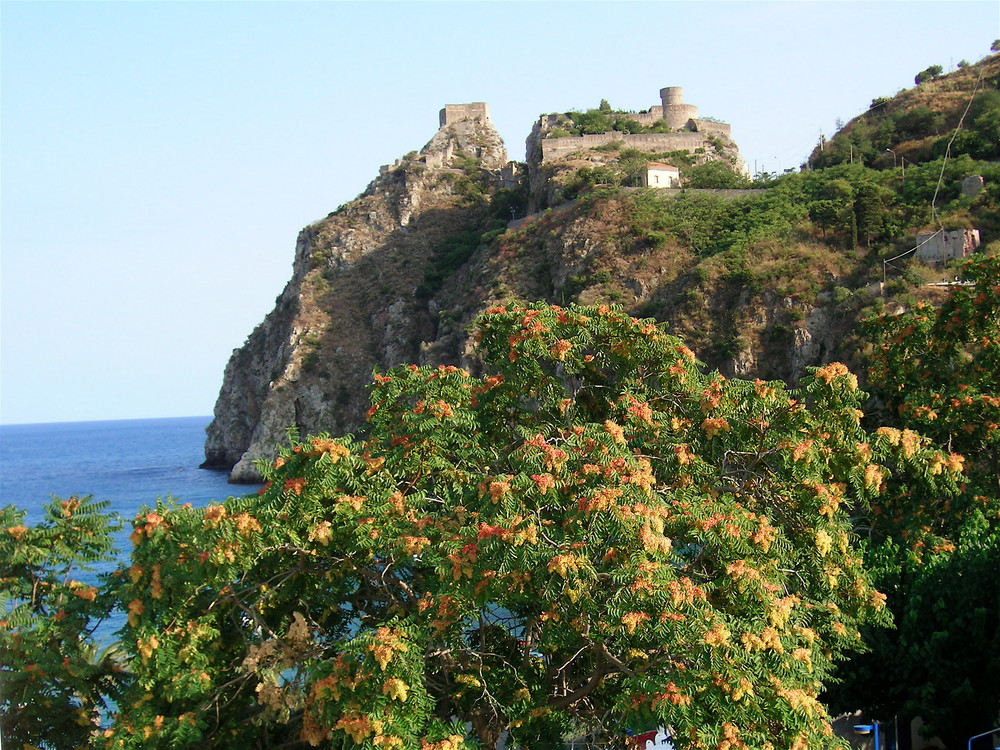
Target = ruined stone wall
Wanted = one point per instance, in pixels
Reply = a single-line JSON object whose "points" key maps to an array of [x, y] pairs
{"points": [[453, 113], [652, 117], [710, 127], [554, 148]]}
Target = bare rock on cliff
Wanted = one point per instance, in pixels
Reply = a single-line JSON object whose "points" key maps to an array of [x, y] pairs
{"points": [[353, 302]]}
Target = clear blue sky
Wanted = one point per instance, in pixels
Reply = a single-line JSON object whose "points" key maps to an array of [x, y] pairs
{"points": [[158, 158]]}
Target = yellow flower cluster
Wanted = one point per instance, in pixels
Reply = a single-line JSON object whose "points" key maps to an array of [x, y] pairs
{"points": [[713, 427], [836, 370], [396, 689], [412, 545], [633, 620], [145, 527], [544, 482], [89, 593], [328, 446], [560, 348], [358, 727], [498, 490], [353, 501], [387, 645], [562, 564], [322, 533], [615, 431], [718, 635], [831, 496], [824, 543], [453, 742], [800, 700], [246, 524], [740, 569], [730, 738], [908, 440], [803, 655], [643, 475], [768, 639], [653, 541], [214, 514], [781, 610], [875, 477], [146, 646], [953, 463], [743, 688], [765, 534]]}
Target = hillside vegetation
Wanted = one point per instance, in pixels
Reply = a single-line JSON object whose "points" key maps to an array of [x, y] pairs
{"points": [[923, 123]]}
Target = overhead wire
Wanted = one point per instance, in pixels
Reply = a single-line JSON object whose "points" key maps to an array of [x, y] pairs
{"points": [[940, 182], [947, 151]]}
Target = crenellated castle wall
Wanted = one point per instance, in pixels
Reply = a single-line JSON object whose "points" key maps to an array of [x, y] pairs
{"points": [[690, 132], [555, 148]]}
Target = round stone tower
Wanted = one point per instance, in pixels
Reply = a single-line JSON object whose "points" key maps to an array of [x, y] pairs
{"points": [[675, 111]]}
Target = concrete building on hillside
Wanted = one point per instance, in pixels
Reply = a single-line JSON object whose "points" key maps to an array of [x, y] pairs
{"points": [[939, 247], [660, 175]]}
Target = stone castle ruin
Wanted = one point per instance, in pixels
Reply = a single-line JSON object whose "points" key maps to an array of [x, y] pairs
{"points": [[453, 113], [689, 132]]}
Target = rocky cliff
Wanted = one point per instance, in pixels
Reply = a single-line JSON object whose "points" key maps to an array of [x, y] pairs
{"points": [[399, 275], [352, 302]]}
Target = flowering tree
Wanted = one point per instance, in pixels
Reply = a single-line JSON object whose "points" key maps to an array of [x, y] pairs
{"points": [[936, 550], [54, 680], [937, 367], [589, 537]]}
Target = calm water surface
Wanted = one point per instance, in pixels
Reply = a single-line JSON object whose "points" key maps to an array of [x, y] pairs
{"points": [[129, 463]]}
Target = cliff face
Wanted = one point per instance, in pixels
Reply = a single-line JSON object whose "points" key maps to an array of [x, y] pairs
{"points": [[351, 304]]}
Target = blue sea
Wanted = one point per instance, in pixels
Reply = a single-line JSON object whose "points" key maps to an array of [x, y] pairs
{"points": [[129, 463]]}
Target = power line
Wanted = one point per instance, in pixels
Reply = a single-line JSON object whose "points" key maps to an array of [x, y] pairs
{"points": [[940, 182], [947, 151]]}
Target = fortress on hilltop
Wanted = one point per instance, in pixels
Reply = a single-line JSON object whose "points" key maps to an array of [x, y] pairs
{"points": [[680, 130], [688, 131]]}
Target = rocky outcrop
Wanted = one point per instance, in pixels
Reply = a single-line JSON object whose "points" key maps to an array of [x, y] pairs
{"points": [[352, 303]]}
